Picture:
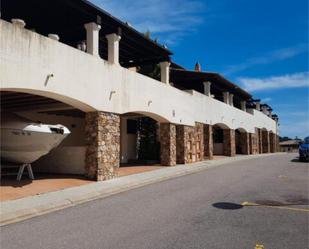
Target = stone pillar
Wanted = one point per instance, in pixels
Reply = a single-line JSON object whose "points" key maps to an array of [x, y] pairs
{"points": [[113, 48], [231, 99], [199, 141], [265, 142], [260, 141], [190, 143], [208, 142], [253, 143], [207, 86], [229, 147], [181, 153], [243, 105], [186, 147], [272, 141], [92, 30], [102, 131], [165, 72], [244, 143], [226, 98], [168, 144], [277, 143]]}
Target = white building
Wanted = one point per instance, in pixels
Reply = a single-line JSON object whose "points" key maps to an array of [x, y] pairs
{"points": [[69, 62]]}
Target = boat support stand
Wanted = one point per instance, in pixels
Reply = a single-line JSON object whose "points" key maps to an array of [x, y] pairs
{"points": [[21, 171]]}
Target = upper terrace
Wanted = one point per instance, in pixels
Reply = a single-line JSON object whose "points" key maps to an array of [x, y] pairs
{"points": [[111, 46]]}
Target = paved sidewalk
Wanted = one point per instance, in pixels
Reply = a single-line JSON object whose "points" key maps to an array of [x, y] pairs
{"points": [[17, 210]]}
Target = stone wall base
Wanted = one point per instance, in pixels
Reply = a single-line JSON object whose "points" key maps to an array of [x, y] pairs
{"points": [[102, 132], [244, 143], [229, 147], [208, 142], [253, 140], [265, 142], [168, 144], [190, 143], [272, 141]]}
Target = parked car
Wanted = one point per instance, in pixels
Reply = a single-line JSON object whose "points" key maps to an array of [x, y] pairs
{"points": [[304, 150]]}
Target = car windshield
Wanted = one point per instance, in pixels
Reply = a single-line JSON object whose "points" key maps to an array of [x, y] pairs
{"points": [[306, 140]]}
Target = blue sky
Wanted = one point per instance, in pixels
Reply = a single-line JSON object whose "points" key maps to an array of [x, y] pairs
{"points": [[261, 45]]}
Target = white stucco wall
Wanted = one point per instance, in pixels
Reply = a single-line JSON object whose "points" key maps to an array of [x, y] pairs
{"points": [[90, 83]]}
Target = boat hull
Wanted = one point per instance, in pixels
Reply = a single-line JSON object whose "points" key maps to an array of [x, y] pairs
{"points": [[18, 146], [23, 141]]}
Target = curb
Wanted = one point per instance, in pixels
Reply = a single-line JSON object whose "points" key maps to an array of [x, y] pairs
{"points": [[21, 209]]}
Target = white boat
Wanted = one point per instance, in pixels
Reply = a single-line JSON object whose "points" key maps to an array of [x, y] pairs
{"points": [[24, 141]]}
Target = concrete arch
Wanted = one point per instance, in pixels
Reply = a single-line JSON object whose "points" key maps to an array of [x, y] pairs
{"points": [[62, 98], [152, 115], [241, 130], [222, 126]]}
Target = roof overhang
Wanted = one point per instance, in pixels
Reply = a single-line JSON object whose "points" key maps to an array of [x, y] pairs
{"points": [[67, 18], [189, 79]]}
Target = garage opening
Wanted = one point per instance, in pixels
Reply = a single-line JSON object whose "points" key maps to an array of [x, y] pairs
{"points": [[242, 142], [62, 165], [140, 143], [218, 139]]}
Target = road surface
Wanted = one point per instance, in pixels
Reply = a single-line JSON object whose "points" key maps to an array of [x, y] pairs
{"points": [[201, 210]]}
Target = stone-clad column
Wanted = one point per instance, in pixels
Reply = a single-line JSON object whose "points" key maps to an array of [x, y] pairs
{"points": [[199, 141], [257, 140], [229, 147], [185, 144], [168, 144], [260, 141], [277, 143], [208, 142], [244, 143], [265, 142], [272, 141], [102, 131], [253, 143], [190, 143]]}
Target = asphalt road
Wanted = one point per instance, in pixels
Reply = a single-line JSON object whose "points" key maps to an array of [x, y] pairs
{"points": [[195, 211]]}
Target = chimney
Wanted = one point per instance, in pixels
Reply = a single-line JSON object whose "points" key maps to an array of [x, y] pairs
{"points": [[197, 67]]}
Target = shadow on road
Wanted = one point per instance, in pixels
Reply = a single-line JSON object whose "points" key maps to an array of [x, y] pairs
{"points": [[296, 160], [227, 205]]}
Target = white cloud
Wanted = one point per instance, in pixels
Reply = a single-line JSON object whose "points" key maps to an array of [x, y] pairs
{"points": [[167, 20], [299, 129], [267, 99], [295, 80], [268, 58]]}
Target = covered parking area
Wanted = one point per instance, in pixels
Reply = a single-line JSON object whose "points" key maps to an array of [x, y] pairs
{"points": [[64, 166]]}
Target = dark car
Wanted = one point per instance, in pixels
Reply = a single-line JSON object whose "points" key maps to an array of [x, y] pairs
{"points": [[304, 150]]}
